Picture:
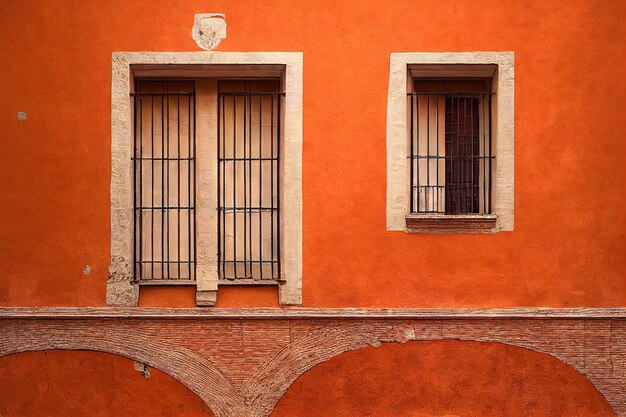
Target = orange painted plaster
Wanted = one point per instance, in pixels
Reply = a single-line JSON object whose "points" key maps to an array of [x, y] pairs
{"points": [[568, 245], [441, 379]]}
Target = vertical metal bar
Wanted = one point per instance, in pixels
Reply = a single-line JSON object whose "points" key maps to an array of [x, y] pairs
{"points": [[458, 152], [463, 159], [219, 178], [245, 188], [416, 185], [166, 161], [490, 142], [135, 213], [411, 156], [189, 187], [465, 156], [472, 155], [483, 102], [449, 157], [140, 186], [235, 186], [249, 106], [272, 182], [278, 114], [261, 185], [437, 158], [163, 182], [448, 152], [223, 213], [178, 158], [194, 183], [476, 153], [152, 190], [461, 156], [427, 152]]}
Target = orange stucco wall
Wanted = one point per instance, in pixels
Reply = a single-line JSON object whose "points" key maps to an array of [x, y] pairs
{"points": [[417, 379], [568, 245], [425, 379], [90, 384], [567, 248]]}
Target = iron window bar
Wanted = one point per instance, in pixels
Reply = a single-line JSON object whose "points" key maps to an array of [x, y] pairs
{"points": [[164, 183], [450, 157], [248, 158]]}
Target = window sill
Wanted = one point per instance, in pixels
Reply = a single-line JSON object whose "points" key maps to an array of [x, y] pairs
{"points": [[447, 223], [176, 281], [241, 281]]}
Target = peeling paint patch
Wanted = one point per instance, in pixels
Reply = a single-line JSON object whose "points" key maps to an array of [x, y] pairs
{"points": [[143, 368], [86, 270], [21, 115]]}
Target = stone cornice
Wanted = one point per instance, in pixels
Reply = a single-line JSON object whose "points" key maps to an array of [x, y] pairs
{"points": [[311, 313]]}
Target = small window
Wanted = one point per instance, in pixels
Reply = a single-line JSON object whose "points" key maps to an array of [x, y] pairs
{"points": [[450, 147], [450, 142]]}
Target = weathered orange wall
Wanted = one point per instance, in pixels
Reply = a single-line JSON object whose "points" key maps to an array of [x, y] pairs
{"points": [[90, 384], [567, 248], [424, 379], [568, 245], [418, 379]]}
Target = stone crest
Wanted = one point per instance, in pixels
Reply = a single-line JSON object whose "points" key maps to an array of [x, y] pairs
{"points": [[209, 29]]}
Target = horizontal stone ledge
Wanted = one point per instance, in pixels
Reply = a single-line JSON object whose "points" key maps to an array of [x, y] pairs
{"points": [[310, 313]]}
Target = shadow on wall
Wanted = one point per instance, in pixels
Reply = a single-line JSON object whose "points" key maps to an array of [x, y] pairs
{"points": [[442, 378], [60, 383]]}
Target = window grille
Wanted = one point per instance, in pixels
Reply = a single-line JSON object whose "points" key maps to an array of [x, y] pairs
{"points": [[164, 176], [450, 151], [249, 182]]}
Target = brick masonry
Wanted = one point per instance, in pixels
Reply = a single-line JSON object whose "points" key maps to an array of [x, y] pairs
{"points": [[241, 361]]}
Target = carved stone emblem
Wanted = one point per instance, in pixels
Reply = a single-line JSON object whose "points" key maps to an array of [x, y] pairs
{"points": [[209, 29]]}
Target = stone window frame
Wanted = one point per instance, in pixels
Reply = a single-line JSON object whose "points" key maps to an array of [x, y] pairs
{"points": [[121, 291], [403, 67]]}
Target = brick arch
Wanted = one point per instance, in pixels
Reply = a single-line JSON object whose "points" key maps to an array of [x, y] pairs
{"points": [[240, 363], [319, 344], [189, 368]]}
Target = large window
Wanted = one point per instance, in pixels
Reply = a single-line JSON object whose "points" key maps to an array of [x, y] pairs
{"points": [[247, 184], [206, 185]]}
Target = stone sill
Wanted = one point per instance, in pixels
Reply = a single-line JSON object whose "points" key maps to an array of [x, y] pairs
{"points": [[241, 281], [164, 282], [449, 223]]}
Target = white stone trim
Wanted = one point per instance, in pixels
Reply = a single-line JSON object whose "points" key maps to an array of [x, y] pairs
{"points": [[290, 292], [120, 291], [502, 136], [297, 313], [206, 197]]}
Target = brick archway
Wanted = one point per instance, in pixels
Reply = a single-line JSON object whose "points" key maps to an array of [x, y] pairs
{"points": [[192, 370], [320, 344], [241, 362]]}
